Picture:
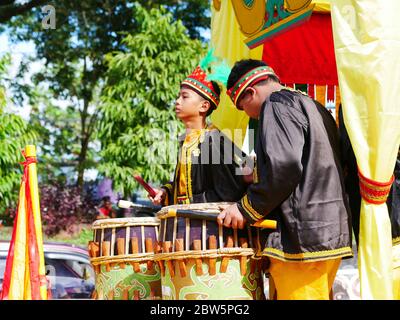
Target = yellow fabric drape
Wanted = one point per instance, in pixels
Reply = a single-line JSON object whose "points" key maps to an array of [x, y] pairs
{"points": [[396, 271], [228, 42], [367, 48], [323, 6]]}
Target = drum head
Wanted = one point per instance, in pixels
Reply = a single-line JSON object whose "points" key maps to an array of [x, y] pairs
{"points": [[125, 222]]}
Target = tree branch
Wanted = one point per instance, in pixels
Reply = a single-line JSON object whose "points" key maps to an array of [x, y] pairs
{"points": [[11, 10], [70, 163], [92, 122]]}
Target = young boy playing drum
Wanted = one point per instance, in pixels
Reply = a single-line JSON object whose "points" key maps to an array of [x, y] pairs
{"points": [[206, 171]]}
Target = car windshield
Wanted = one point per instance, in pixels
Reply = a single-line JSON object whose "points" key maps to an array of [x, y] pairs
{"points": [[69, 278]]}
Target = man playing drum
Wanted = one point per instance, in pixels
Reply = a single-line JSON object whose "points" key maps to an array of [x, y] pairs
{"points": [[299, 183]]}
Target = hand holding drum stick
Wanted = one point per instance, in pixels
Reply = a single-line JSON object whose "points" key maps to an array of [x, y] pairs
{"points": [[156, 196], [193, 214], [231, 217], [152, 193]]}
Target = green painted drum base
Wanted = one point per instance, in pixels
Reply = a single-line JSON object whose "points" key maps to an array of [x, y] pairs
{"points": [[112, 284], [230, 285]]}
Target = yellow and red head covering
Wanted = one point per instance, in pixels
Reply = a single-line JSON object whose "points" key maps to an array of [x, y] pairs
{"points": [[249, 78], [197, 81]]}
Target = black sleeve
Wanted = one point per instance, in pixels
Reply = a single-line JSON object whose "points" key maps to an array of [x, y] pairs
{"points": [[224, 169], [282, 137]]}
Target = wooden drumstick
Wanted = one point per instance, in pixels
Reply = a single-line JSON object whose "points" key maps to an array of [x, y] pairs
{"points": [[212, 244], [121, 250], [149, 248], [105, 246], [225, 260], [243, 244], [199, 261], [181, 263], [170, 265], [135, 249]]}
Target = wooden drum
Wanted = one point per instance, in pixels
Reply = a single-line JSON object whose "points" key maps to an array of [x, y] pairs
{"points": [[202, 260], [122, 255]]}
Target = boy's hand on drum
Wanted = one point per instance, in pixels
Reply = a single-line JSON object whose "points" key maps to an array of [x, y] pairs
{"points": [[159, 197], [231, 217]]}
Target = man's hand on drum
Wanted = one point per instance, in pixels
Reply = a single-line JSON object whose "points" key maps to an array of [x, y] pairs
{"points": [[231, 217], [159, 197]]}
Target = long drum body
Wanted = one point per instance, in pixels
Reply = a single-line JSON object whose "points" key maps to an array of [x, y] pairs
{"points": [[203, 261], [122, 255]]}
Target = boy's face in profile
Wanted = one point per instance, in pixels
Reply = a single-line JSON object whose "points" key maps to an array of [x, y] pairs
{"points": [[190, 104]]}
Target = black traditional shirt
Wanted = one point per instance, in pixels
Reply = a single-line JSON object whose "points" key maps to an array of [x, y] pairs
{"points": [[208, 169], [299, 181]]}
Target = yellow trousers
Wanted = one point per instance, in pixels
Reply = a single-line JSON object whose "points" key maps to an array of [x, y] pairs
{"points": [[303, 280]]}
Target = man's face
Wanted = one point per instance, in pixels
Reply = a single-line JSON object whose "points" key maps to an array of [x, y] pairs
{"points": [[250, 103], [108, 204], [189, 104]]}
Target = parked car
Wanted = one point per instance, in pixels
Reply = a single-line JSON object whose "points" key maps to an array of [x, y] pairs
{"points": [[68, 269]]}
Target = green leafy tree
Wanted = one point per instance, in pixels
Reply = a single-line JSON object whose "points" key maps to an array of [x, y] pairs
{"points": [[73, 54], [14, 135], [57, 124], [59, 145], [138, 128], [194, 14]]}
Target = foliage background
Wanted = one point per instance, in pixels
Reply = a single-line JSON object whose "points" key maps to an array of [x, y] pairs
{"points": [[15, 133], [138, 128], [101, 99]]}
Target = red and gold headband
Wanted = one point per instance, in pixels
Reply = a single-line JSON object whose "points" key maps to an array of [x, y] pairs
{"points": [[197, 80], [250, 78]]}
